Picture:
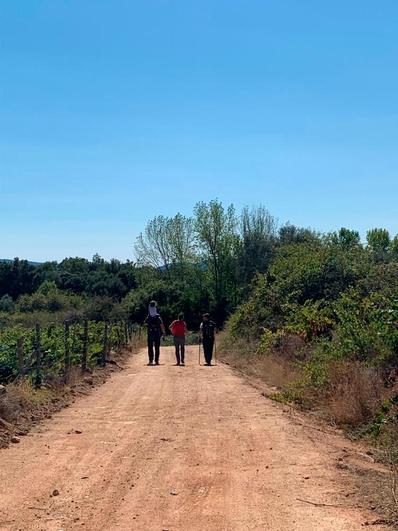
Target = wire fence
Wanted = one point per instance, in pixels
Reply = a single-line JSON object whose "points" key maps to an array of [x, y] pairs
{"points": [[44, 352]]}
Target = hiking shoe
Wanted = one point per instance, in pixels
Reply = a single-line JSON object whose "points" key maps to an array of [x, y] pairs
{"points": [[183, 364]]}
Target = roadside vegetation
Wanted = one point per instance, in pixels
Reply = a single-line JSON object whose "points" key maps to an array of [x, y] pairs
{"points": [[327, 309]]}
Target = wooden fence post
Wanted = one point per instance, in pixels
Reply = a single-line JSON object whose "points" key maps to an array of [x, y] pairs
{"points": [[110, 344], [120, 335], [126, 334], [85, 346], [67, 352], [21, 363], [38, 378], [105, 344]]}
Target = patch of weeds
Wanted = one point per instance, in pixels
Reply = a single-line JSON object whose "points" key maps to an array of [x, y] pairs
{"points": [[293, 394], [375, 428]]}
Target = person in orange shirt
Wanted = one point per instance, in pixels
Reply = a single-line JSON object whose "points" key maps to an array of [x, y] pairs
{"points": [[179, 328]]}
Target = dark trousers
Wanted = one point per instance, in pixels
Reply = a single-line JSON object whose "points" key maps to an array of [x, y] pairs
{"points": [[179, 343], [208, 344], [153, 343]]}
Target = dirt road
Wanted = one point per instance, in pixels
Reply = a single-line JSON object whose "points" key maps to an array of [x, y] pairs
{"points": [[175, 448]]}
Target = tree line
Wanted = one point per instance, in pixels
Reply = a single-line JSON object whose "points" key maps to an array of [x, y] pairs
{"points": [[205, 262]]}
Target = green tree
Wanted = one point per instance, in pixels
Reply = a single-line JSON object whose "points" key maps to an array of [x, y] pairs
{"points": [[394, 248], [181, 237], [47, 288], [6, 304], [291, 234], [258, 240], [166, 242], [216, 230], [16, 277], [345, 238], [378, 243]]}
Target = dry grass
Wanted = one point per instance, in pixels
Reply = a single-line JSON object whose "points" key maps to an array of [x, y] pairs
{"points": [[354, 393], [21, 396], [138, 341], [389, 455], [273, 369], [394, 485]]}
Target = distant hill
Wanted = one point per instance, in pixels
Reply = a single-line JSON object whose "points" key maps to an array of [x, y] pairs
{"points": [[7, 260]]}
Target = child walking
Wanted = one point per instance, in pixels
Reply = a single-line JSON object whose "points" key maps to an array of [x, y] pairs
{"points": [[179, 328]]}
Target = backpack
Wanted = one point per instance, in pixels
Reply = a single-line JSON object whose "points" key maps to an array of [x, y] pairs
{"points": [[153, 324], [208, 328]]}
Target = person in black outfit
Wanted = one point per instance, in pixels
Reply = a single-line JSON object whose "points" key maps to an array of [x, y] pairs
{"points": [[155, 328], [207, 333]]}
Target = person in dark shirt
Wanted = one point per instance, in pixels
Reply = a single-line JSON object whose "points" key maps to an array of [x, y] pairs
{"points": [[155, 328], [207, 334]]}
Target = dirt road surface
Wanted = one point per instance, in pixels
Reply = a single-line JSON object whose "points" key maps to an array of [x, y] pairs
{"points": [[175, 448]]}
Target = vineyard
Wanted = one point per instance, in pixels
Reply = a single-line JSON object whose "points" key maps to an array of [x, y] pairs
{"points": [[48, 353]]}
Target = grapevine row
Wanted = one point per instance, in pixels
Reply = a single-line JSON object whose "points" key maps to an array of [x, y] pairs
{"points": [[45, 353]]}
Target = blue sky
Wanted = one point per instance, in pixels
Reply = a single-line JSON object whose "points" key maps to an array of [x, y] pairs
{"points": [[112, 112]]}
